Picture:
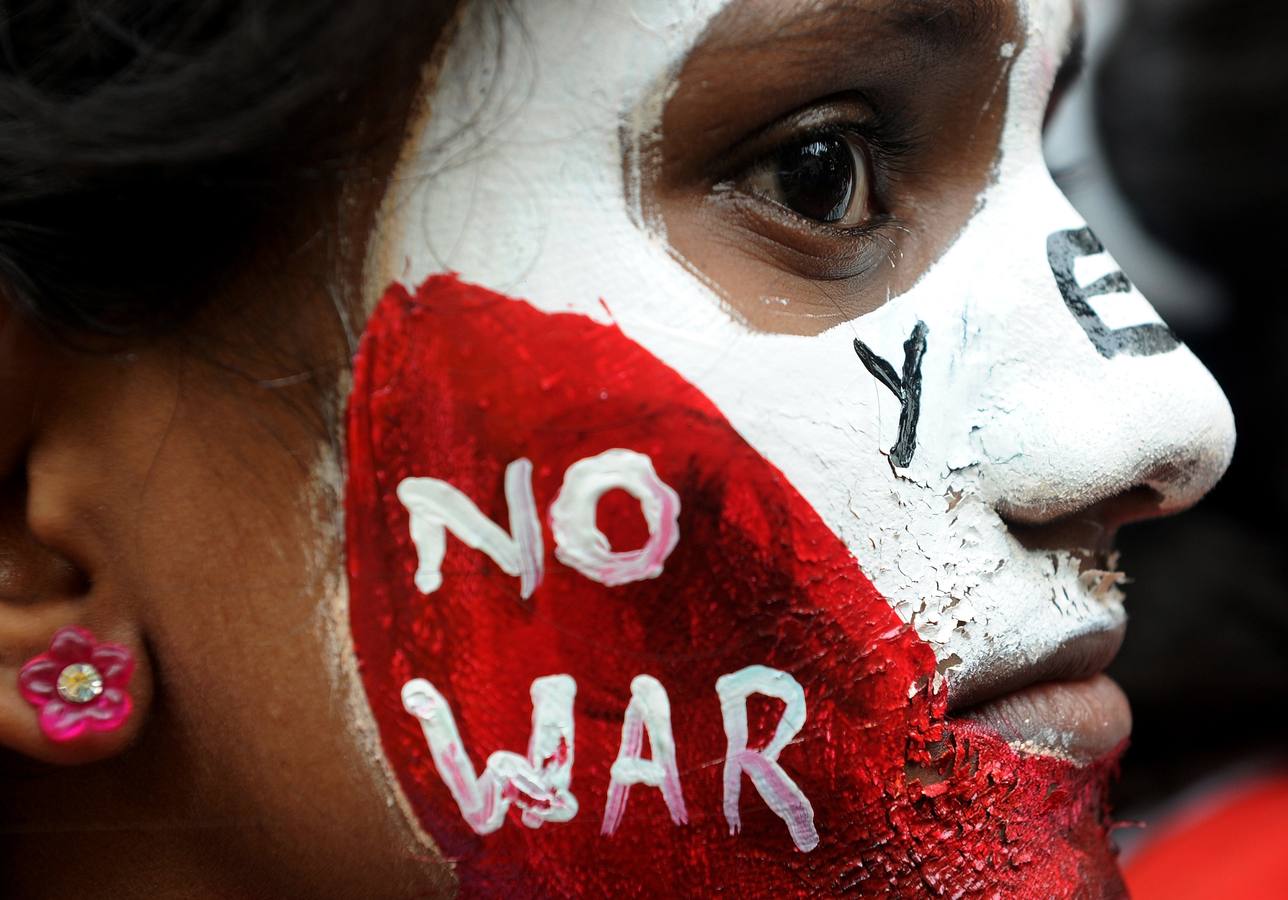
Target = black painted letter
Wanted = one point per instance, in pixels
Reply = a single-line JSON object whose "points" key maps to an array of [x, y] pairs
{"points": [[1063, 249], [906, 389]]}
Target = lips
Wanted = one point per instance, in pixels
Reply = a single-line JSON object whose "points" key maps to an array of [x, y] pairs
{"points": [[1078, 721], [1062, 705], [1077, 659]]}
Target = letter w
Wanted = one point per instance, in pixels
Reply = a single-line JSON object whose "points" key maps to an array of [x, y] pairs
{"points": [[538, 784]]}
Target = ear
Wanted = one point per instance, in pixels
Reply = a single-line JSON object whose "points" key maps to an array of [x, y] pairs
{"points": [[50, 575]]}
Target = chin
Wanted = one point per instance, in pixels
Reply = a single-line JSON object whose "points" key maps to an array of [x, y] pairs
{"points": [[1014, 823]]}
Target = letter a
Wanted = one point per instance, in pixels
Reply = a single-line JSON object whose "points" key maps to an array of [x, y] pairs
{"points": [[649, 710]]}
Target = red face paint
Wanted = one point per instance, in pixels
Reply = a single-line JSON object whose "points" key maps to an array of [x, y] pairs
{"points": [[455, 383]]}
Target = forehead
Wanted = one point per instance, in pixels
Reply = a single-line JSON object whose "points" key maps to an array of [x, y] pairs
{"points": [[569, 68], [648, 36], [769, 24], [573, 69]]}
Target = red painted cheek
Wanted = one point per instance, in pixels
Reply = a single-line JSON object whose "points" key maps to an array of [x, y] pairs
{"points": [[454, 383]]}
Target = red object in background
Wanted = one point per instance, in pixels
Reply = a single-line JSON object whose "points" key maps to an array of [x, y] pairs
{"points": [[454, 382], [1231, 843]]}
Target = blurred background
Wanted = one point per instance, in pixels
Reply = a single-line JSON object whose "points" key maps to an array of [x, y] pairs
{"points": [[1175, 148]]}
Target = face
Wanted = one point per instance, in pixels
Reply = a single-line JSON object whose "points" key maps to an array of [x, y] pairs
{"points": [[740, 380]]}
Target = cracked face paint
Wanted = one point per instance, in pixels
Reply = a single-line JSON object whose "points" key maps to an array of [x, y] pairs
{"points": [[783, 699], [577, 462]]}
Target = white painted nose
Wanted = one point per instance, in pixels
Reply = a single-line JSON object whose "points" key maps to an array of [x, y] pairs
{"points": [[1119, 407]]}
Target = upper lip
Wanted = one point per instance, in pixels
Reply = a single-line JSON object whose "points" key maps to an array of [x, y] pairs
{"points": [[1076, 659], [1088, 535]]}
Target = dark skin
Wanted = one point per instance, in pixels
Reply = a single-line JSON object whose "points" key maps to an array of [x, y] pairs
{"points": [[165, 493], [922, 108], [162, 494]]}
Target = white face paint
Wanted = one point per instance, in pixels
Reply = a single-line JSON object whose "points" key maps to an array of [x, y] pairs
{"points": [[516, 181]]}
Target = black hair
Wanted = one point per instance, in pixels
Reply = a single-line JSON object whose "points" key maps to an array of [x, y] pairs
{"points": [[144, 144]]}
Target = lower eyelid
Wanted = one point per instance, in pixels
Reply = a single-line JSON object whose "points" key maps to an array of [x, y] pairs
{"points": [[748, 205], [835, 255]]}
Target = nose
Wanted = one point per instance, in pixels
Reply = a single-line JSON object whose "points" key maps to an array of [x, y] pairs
{"points": [[1120, 417], [1136, 480]]}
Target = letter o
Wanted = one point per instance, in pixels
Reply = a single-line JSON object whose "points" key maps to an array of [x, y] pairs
{"points": [[578, 541]]}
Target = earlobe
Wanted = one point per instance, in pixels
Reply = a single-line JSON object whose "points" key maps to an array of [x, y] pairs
{"points": [[74, 686], [69, 693]]}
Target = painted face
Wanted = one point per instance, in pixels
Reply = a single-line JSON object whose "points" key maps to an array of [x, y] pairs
{"points": [[778, 408]]}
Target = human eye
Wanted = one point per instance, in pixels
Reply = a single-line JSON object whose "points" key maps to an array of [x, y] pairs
{"points": [[807, 191], [809, 181], [823, 177]]}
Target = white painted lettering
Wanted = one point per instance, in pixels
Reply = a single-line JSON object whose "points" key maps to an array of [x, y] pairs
{"points": [[776, 787], [649, 710], [538, 784], [436, 507], [579, 542]]}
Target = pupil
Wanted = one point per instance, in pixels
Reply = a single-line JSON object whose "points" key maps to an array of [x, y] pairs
{"points": [[816, 177]]}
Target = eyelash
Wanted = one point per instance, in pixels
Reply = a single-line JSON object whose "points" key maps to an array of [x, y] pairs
{"points": [[886, 146], [814, 249]]}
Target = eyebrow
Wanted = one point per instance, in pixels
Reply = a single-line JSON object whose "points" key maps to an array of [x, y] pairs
{"points": [[949, 24], [943, 25]]}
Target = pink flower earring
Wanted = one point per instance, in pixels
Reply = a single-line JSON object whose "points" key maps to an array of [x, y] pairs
{"points": [[78, 685]]}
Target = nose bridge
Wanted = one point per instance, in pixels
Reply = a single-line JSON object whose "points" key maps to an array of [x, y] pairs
{"points": [[1106, 401]]}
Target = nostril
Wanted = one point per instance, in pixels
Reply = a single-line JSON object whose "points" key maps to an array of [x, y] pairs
{"points": [[1144, 501], [1089, 527], [1179, 485]]}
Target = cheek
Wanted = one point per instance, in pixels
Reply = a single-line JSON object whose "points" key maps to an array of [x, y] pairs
{"points": [[783, 698]]}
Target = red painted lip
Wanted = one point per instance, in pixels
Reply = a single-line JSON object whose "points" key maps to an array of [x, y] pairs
{"points": [[1077, 659]]}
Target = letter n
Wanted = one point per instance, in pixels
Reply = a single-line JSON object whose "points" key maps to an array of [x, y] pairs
{"points": [[437, 507]]}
